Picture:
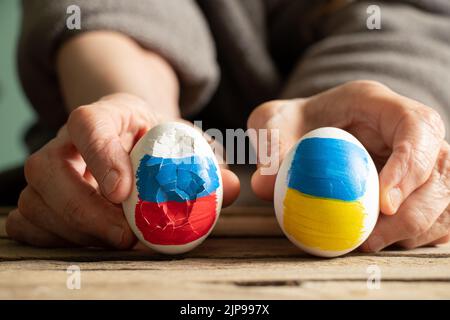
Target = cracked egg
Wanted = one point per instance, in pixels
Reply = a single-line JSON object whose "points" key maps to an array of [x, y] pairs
{"points": [[177, 189]]}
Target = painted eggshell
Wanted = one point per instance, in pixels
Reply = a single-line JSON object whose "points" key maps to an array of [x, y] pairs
{"points": [[177, 189], [326, 193]]}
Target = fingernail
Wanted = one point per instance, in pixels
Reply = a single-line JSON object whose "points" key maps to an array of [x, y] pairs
{"points": [[376, 244], [395, 198], [115, 236], [110, 182]]}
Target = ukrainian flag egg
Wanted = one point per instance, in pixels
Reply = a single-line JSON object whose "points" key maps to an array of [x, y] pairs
{"points": [[327, 193], [177, 189]]}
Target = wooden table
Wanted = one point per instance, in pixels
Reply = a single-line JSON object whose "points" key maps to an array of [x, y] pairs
{"points": [[246, 257]]}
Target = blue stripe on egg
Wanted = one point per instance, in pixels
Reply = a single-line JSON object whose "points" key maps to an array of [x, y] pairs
{"points": [[176, 179], [329, 168]]}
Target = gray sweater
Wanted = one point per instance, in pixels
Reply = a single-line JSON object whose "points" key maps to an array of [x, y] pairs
{"points": [[231, 55]]}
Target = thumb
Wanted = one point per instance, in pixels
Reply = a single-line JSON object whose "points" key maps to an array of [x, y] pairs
{"points": [[416, 144], [277, 125], [104, 134]]}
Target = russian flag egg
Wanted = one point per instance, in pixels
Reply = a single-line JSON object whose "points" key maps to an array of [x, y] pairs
{"points": [[177, 189], [327, 193]]}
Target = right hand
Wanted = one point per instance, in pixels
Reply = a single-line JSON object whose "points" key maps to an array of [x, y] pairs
{"points": [[404, 137], [77, 181]]}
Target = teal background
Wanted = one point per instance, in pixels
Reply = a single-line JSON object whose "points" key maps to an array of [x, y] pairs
{"points": [[15, 112]]}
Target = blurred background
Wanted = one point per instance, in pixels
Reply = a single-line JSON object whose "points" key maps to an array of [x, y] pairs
{"points": [[15, 112]]}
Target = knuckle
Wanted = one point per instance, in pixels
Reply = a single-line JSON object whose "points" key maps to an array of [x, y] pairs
{"points": [[433, 121], [40, 167], [11, 225], [54, 153], [78, 117], [366, 86], [34, 169], [415, 160], [32, 166], [443, 168], [409, 158], [31, 207], [259, 117], [37, 164], [23, 204]]}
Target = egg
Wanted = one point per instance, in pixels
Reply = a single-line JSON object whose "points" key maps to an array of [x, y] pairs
{"points": [[326, 194], [177, 189]]}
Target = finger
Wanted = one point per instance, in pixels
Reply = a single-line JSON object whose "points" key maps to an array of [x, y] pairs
{"points": [[278, 125], [442, 240], [413, 131], [34, 209], [231, 187], [76, 201], [22, 230], [263, 185], [418, 213], [104, 133], [417, 141], [436, 234]]}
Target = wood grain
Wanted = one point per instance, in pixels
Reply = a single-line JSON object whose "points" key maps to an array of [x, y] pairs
{"points": [[247, 257]]}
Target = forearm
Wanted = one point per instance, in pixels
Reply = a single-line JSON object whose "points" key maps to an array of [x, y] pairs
{"points": [[98, 63]]}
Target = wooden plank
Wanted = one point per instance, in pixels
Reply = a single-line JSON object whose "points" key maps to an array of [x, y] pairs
{"points": [[117, 285], [235, 209], [219, 248], [233, 221], [220, 279], [246, 222], [260, 272], [239, 223], [222, 248], [246, 257]]}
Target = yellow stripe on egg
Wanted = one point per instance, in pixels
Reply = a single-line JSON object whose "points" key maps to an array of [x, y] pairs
{"points": [[321, 223]]}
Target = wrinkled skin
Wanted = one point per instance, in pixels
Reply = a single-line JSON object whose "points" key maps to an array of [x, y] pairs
{"points": [[77, 181], [406, 141]]}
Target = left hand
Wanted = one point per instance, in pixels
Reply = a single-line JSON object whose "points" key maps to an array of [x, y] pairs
{"points": [[406, 141]]}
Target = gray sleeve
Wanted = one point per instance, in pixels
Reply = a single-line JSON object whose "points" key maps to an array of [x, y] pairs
{"points": [[410, 53], [174, 29]]}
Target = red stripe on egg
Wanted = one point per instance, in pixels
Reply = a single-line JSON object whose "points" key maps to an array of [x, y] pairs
{"points": [[176, 223]]}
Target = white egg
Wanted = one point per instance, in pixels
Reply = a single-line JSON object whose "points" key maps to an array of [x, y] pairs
{"points": [[177, 189], [327, 193]]}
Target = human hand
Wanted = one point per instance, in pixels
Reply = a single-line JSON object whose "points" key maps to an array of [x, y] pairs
{"points": [[406, 141], [77, 181]]}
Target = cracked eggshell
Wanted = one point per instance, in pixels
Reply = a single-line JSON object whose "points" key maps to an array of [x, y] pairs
{"points": [[174, 203], [327, 193]]}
